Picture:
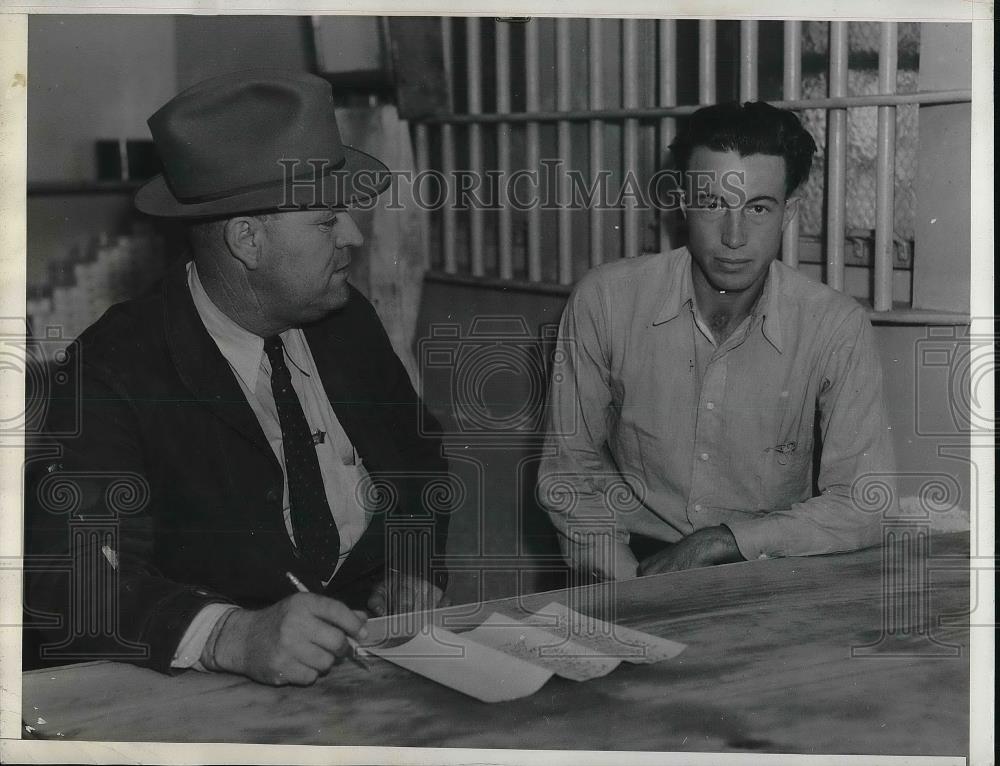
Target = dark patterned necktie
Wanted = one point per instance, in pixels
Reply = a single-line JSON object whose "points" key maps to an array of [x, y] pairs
{"points": [[315, 531]]}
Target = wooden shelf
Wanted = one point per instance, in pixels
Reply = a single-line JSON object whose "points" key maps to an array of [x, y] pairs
{"points": [[905, 315]]}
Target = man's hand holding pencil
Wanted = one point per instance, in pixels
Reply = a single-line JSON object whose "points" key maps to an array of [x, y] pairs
{"points": [[294, 641]]}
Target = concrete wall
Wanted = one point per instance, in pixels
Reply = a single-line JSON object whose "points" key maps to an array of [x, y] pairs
{"points": [[213, 45], [944, 167], [89, 78]]}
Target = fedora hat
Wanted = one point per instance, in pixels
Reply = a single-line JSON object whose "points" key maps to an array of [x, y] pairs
{"points": [[254, 141]]}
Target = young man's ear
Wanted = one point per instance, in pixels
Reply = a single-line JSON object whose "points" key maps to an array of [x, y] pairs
{"points": [[683, 203], [791, 209], [243, 237]]}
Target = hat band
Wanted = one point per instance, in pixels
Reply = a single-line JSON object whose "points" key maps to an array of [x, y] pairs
{"points": [[250, 188]]}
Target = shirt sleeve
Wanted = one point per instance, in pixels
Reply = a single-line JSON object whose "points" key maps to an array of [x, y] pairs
{"points": [[578, 479], [857, 480], [189, 650]]}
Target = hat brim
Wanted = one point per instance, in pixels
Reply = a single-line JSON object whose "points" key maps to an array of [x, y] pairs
{"points": [[361, 178]]}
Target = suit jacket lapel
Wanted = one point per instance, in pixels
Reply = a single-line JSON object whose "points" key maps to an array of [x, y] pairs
{"points": [[201, 365]]}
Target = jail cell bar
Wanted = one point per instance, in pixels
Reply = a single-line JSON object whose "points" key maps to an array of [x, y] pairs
{"points": [[448, 158], [707, 57], [836, 149], [563, 148], [595, 49], [792, 91], [475, 88], [532, 87], [505, 229], [630, 155], [598, 114], [885, 170], [667, 97]]}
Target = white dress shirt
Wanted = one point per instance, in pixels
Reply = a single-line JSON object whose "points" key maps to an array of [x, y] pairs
{"points": [[340, 465]]}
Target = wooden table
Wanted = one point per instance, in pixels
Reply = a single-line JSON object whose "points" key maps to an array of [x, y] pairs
{"points": [[768, 667]]}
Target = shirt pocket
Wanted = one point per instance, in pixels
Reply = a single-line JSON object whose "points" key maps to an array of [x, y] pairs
{"points": [[785, 474]]}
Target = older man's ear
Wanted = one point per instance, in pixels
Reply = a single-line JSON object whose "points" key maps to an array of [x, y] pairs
{"points": [[243, 236]]}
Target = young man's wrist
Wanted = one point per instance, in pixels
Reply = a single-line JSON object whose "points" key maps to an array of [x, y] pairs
{"points": [[726, 550]]}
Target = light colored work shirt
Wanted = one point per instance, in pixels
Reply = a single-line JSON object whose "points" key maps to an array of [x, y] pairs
{"points": [[340, 465], [653, 429]]}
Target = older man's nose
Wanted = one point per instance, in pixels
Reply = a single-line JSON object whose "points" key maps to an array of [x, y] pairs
{"points": [[348, 233], [734, 233]]}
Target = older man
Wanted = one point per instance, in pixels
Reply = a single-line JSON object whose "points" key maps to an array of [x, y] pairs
{"points": [[682, 429], [246, 408]]}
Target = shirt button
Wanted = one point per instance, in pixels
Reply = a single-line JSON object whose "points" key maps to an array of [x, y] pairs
{"points": [[704, 456], [710, 406]]}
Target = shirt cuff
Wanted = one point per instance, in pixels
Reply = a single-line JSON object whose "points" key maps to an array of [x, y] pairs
{"points": [[606, 559], [189, 650], [755, 538]]}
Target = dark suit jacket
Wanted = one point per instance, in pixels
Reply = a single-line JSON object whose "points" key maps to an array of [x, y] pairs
{"points": [[168, 465]]}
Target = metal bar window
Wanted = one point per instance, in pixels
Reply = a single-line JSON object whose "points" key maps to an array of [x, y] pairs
{"points": [[614, 54]]}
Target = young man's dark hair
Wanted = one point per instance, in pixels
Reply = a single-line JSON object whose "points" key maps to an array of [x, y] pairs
{"points": [[755, 127]]}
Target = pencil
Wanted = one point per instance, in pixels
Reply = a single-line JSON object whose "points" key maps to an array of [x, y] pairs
{"points": [[358, 655]]}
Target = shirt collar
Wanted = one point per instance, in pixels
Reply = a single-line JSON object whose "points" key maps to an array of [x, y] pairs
{"points": [[681, 292], [243, 349], [769, 305]]}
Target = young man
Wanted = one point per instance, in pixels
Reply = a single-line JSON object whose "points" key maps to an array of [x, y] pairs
{"points": [[233, 423], [699, 378]]}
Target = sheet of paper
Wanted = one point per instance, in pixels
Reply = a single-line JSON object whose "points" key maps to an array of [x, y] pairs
{"points": [[606, 638], [564, 657], [466, 666]]}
